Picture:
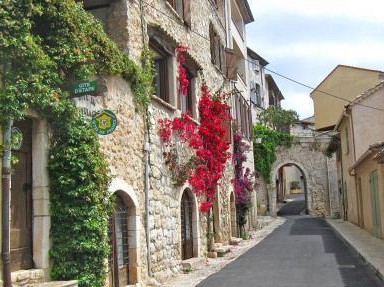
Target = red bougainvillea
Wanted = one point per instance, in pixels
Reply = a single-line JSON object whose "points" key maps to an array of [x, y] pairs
{"points": [[183, 77], [208, 140]]}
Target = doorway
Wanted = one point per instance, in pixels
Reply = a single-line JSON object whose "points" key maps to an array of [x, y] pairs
{"points": [[119, 258], [186, 226], [375, 199], [21, 201]]}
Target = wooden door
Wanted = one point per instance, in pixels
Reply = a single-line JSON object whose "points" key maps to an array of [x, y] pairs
{"points": [[119, 259], [21, 201], [360, 209], [376, 214], [186, 227]]}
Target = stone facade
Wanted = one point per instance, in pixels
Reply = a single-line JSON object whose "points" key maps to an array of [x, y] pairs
{"points": [[131, 27], [134, 152]]}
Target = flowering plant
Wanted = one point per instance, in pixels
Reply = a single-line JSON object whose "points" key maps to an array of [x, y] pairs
{"points": [[243, 181], [207, 140], [183, 77]]}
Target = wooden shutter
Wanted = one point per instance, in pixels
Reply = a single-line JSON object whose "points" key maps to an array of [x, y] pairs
{"points": [[231, 63], [212, 42], [187, 12]]}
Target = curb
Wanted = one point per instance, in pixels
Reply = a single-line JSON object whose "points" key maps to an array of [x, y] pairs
{"points": [[360, 255]]}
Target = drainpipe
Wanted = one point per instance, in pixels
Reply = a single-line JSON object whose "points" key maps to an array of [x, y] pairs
{"points": [[6, 194], [146, 192], [328, 187]]}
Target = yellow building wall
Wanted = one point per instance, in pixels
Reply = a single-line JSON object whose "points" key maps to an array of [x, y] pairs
{"points": [[343, 82], [347, 159], [364, 171]]}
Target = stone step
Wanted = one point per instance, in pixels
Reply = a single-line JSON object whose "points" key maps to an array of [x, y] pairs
{"points": [[192, 263], [72, 283], [30, 276], [217, 245], [235, 240], [221, 251]]}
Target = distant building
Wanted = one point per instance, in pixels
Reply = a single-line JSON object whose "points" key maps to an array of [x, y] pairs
{"points": [[258, 89]]}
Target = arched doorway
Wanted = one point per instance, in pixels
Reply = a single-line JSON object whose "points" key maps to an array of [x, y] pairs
{"points": [[122, 234], [187, 250], [291, 190], [119, 258]]}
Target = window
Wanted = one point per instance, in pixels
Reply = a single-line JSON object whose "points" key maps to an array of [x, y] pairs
{"points": [[160, 82], [183, 8], [217, 49], [187, 101], [255, 94], [242, 115]]}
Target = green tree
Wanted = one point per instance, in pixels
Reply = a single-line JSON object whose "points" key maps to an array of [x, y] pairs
{"points": [[278, 119]]}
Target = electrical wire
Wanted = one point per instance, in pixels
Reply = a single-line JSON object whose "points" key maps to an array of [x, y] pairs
{"points": [[269, 70]]}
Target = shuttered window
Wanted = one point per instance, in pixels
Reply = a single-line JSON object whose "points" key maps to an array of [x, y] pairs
{"points": [[183, 8], [217, 49]]}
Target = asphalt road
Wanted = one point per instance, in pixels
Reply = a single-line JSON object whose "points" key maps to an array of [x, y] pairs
{"points": [[303, 252]]}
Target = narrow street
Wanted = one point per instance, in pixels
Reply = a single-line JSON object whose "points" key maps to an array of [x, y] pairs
{"points": [[303, 252]]}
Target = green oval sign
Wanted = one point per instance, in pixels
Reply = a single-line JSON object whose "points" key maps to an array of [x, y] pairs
{"points": [[17, 138], [104, 122]]}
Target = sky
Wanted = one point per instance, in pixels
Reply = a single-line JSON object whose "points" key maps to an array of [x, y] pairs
{"points": [[306, 39]]}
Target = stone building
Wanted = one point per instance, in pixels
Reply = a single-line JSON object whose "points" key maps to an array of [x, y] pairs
{"points": [[156, 224]]}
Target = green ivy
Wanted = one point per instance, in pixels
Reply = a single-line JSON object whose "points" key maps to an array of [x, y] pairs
{"points": [[43, 45], [265, 142]]}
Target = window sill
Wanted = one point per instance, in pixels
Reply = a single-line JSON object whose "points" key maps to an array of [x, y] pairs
{"points": [[163, 103]]}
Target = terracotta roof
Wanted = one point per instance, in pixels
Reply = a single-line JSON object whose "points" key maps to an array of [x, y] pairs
{"points": [[366, 94], [377, 148]]}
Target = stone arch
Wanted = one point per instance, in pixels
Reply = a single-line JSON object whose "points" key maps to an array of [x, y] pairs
{"points": [[195, 220], [127, 194], [272, 196]]}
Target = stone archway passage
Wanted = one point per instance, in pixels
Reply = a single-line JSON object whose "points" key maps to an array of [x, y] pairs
{"points": [[319, 174], [186, 226], [297, 203]]}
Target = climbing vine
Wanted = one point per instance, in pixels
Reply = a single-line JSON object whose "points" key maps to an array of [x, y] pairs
{"points": [[265, 142], [43, 45], [243, 181], [208, 141]]}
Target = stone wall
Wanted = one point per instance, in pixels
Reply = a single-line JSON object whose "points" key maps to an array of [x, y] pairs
{"points": [[124, 148], [307, 155]]}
